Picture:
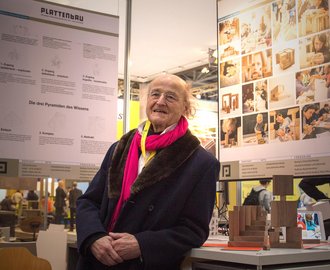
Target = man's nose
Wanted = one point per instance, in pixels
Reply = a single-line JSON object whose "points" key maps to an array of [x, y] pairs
{"points": [[162, 99]]}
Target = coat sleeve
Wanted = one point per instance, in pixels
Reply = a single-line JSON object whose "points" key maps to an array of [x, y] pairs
{"points": [[191, 230], [90, 205]]}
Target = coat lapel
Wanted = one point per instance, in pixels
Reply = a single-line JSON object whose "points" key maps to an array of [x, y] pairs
{"points": [[165, 162]]}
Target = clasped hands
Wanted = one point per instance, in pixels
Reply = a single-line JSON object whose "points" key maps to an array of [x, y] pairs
{"points": [[116, 248]]}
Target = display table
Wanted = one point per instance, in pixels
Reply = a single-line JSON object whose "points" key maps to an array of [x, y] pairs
{"points": [[207, 258], [215, 258]]}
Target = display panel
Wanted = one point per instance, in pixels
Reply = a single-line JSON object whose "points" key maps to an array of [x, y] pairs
{"points": [[58, 87], [274, 88]]}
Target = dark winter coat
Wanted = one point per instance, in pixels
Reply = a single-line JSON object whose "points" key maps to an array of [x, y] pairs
{"points": [[74, 194], [60, 196], [169, 209]]}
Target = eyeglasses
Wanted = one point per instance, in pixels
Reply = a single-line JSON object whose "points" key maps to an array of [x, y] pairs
{"points": [[169, 96]]}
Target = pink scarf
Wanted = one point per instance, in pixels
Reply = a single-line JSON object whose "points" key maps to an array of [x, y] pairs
{"points": [[153, 142]]}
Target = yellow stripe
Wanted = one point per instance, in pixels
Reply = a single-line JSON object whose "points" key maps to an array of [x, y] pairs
{"points": [[143, 143]]}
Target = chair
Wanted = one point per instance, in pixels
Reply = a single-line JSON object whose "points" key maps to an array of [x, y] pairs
{"points": [[18, 258], [31, 225], [8, 219], [30, 246]]}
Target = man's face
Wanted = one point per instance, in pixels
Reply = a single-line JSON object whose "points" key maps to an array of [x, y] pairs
{"points": [[256, 66], [309, 113], [259, 119], [166, 102], [279, 118]]}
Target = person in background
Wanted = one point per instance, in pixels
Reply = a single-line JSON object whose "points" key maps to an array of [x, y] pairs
{"points": [[59, 204], [257, 67], [32, 199], [153, 197], [315, 116], [260, 128], [283, 127], [309, 186], [304, 200], [229, 131], [17, 197], [308, 127], [302, 87], [9, 218], [265, 196], [258, 61], [321, 49], [7, 204], [74, 194], [324, 112], [49, 204]]}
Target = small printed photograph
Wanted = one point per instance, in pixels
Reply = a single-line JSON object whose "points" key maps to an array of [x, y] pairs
{"points": [[313, 16], [229, 31], [248, 98], [230, 101], [284, 16], [257, 66], [256, 32], [229, 50], [284, 125], [315, 120], [230, 132], [309, 223], [285, 57], [313, 84], [281, 91], [261, 95], [255, 129], [314, 50], [229, 73]]}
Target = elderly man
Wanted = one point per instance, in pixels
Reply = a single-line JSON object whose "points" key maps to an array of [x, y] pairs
{"points": [[153, 197]]}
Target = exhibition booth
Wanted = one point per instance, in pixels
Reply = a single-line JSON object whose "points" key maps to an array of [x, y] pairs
{"points": [[262, 94]]}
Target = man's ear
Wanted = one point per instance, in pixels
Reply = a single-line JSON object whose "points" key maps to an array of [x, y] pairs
{"points": [[186, 111]]}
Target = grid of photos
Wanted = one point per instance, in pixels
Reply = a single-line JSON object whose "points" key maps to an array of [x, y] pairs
{"points": [[274, 73]]}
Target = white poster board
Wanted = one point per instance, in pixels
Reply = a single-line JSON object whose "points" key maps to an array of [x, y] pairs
{"points": [[58, 88], [274, 88]]}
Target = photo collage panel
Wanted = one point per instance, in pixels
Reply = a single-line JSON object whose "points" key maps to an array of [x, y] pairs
{"points": [[274, 73]]}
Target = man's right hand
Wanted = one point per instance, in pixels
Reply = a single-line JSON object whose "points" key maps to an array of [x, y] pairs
{"points": [[103, 251]]}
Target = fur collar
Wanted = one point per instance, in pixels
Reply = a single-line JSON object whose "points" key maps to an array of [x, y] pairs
{"points": [[161, 166]]}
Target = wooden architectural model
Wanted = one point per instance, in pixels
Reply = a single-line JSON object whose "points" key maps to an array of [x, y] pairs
{"points": [[314, 20], [276, 92], [285, 58], [284, 215], [247, 227], [296, 127]]}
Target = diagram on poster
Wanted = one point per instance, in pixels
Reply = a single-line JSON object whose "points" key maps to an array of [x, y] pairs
{"points": [[58, 83]]}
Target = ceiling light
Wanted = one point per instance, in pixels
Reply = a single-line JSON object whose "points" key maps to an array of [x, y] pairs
{"points": [[205, 70]]}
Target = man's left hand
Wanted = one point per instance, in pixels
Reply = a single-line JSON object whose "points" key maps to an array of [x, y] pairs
{"points": [[125, 245]]}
